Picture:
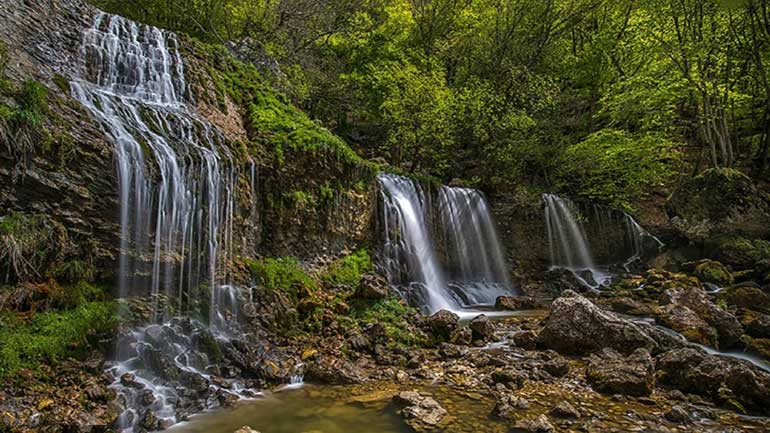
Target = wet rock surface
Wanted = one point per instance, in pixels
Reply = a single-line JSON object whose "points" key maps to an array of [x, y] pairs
{"points": [[421, 412], [612, 373], [576, 326]]}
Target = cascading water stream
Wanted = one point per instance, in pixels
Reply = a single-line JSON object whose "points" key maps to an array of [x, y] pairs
{"points": [[408, 247], [476, 271], [569, 246], [475, 256], [177, 189]]}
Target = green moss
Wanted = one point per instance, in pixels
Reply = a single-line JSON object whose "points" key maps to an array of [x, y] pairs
{"points": [[714, 272], [271, 118], [300, 199], [52, 336], [392, 314], [738, 251], [62, 83], [283, 274], [73, 271], [208, 344], [349, 269]]}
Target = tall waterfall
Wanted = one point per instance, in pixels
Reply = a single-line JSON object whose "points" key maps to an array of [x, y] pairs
{"points": [[177, 190], [176, 176], [614, 235], [409, 251], [472, 271]]}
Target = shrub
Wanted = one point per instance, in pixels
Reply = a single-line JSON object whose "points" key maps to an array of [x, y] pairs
{"points": [[52, 336], [283, 274], [392, 314], [349, 270]]}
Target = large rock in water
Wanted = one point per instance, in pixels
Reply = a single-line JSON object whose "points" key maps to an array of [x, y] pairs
{"points": [[719, 201], [442, 324], [612, 373], [678, 300], [724, 380], [421, 412], [577, 326]]}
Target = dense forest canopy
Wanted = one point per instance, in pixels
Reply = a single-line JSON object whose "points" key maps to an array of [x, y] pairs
{"points": [[603, 99]]}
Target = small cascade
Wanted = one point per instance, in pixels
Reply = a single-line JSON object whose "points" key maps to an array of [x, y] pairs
{"points": [[567, 243], [473, 270], [177, 189], [579, 233]]}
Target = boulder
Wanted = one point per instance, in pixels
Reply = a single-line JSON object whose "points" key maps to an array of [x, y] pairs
{"points": [[421, 412], [557, 366], [722, 379], [515, 303], [710, 271], [510, 377], [540, 424], [525, 339], [677, 415], [719, 201], [612, 373], [750, 298], [482, 328], [565, 410], [442, 324], [740, 253], [686, 322], [727, 327], [507, 405], [334, 371], [372, 286], [462, 336], [759, 326], [577, 326]]}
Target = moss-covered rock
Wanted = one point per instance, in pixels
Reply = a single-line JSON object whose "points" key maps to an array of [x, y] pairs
{"points": [[710, 271], [737, 251], [719, 201], [750, 298]]}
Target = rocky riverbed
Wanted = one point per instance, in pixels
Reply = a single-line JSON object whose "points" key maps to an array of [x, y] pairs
{"points": [[582, 362]]}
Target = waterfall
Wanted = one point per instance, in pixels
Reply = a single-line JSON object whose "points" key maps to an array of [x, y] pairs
{"points": [[473, 270], [176, 175], [567, 243], [615, 236], [177, 189], [408, 242], [475, 255]]}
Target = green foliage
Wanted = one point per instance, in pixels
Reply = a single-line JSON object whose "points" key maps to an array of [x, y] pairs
{"points": [[392, 314], [283, 274], [300, 199], [73, 271], [52, 336], [349, 269], [496, 93], [615, 167]]}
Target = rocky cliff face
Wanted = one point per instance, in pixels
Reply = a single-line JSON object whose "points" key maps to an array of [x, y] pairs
{"points": [[309, 203], [67, 173]]}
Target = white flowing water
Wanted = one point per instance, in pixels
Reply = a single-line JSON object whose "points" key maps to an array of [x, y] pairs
{"points": [[408, 242], [177, 187], [570, 247], [567, 243], [475, 256], [475, 272]]}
